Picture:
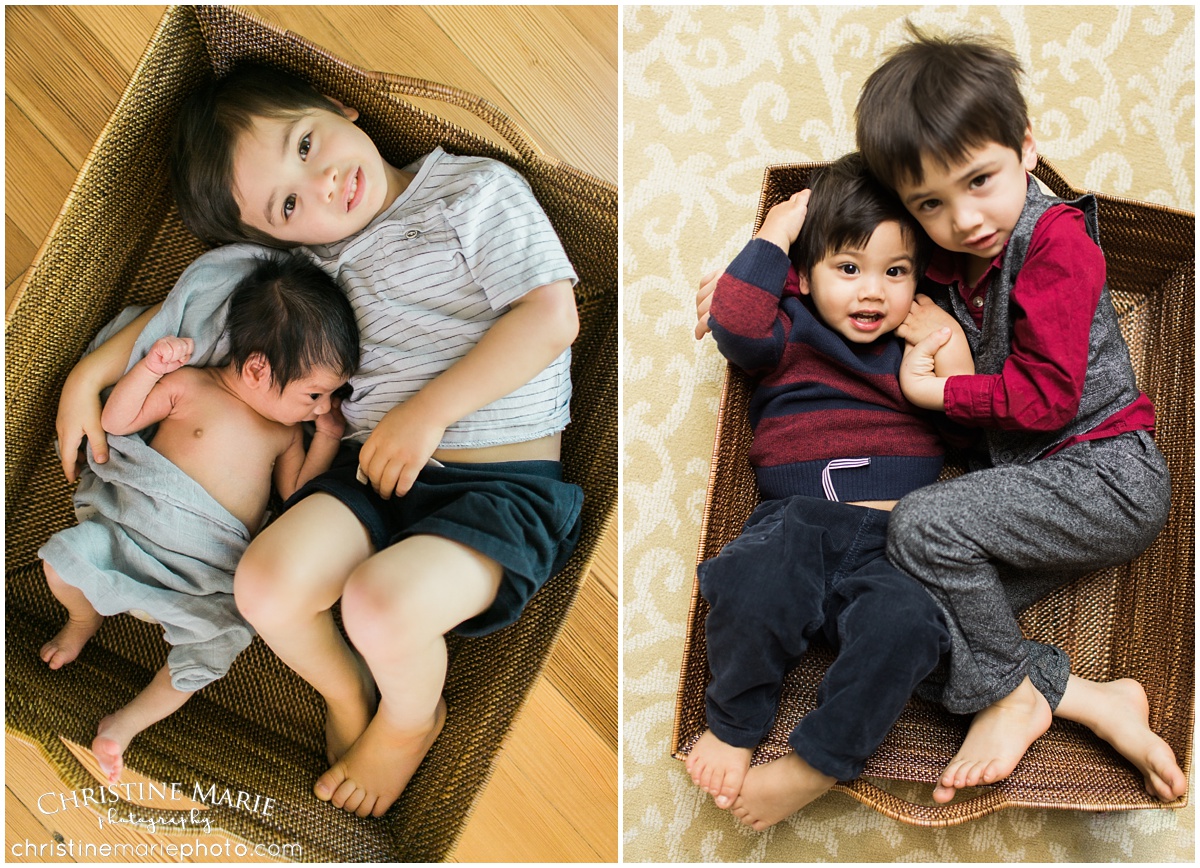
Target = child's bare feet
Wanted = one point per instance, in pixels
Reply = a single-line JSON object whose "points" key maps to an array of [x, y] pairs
{"points": [[346, 721], [718, 768], [69, 641], [376, 769], [1119, 713], [998, 738], [775, 791], [109, 747]]}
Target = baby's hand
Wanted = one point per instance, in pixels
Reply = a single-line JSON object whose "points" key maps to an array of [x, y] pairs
{"points": [[708, 283], [169, 354], [924, 318], [918, 380], [783, 222], [333, 423]]}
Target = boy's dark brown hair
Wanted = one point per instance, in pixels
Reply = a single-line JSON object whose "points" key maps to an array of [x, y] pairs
{"points": [[938, 96], [846, 207], [210, 121]]}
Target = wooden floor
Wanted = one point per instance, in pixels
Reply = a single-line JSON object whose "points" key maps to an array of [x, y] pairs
{"points": [[553, 794]]}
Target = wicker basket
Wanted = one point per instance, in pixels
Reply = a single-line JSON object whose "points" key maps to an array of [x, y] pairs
{"points": [[1136, 621], [119, 241]]}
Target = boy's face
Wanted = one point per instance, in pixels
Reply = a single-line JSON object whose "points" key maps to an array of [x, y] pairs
{"points": [[315, 178], [972, 206], [301, 400], [864, 294]]}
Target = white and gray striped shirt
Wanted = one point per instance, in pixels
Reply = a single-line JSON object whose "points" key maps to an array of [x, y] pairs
{"points": [[428, 278]]}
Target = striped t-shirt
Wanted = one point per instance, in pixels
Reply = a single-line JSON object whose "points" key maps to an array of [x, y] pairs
{"points": [[428, 278]]}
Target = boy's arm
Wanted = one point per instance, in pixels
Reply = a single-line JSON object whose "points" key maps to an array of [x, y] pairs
{"points": [[924, 318], [143, 397], [295, 466], [79, 405], [535, 331]]}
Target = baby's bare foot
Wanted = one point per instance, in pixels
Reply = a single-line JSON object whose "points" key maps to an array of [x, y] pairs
{"points": [[109, 749], [718, 768], [69, 641], [346, 721], [1119, 713], [376, 769], [775, 791], [997, 739]]}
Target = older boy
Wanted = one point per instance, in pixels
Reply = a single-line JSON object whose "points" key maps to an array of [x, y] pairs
{"points": [[1070, 480], [170, 518], [464, 297]]}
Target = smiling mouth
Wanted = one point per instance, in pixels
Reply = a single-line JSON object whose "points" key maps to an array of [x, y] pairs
{"points": [[866, 316], [352, 190]]}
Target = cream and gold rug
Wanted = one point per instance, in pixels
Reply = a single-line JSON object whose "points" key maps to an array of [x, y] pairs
{"points": [[712, 95]]}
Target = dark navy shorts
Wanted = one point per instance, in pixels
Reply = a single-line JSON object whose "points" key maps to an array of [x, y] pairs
{"points": [[520, 514]]}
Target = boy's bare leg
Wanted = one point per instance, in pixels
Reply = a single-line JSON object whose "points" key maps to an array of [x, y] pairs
{"points": [[116, 731], [775, 791], [82, 622], [397, 608], [1118, 712], [997, 739], [286, 585], [718, 768]]}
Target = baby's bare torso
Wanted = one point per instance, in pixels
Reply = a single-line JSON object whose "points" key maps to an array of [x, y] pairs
{"points": [[223, 444]]}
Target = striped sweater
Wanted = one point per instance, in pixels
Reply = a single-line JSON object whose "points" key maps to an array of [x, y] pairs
{"points": [[828, 416]]}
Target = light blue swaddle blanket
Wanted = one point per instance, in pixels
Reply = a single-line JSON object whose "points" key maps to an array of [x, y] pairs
{"points": [[151, 540]]}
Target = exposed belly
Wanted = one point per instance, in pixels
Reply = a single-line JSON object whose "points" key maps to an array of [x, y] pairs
{"points": [[547, 448], [876, 504]]}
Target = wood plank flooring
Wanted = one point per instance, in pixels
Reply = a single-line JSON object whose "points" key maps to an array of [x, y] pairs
{"points": [[553, 795]]}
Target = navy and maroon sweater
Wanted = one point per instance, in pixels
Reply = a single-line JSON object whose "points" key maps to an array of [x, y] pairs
{"points": [[828, 416]]}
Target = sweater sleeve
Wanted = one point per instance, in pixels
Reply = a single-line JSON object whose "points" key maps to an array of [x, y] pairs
{"points": [[747, 321]]}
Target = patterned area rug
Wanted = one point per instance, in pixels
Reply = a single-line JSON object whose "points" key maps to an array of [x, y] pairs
{"points": [[711, 97]]}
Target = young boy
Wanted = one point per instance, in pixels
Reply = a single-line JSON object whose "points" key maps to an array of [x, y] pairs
{"points": [[1071, 480], [173, 516], [465, 299], [835, 445]]}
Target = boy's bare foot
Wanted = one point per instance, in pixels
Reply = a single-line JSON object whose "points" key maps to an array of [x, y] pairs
{"points": [[346, 721], [109, 748], [1119, 713], [775, 791], [376, 769], [718, 768], [69, 641], [998, 738]]}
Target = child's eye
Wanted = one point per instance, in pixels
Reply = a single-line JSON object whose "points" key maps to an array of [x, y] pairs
{"points": [[897, 271], [928, 206], [289, 205], [848, 268], [314, 396], [978, 181], [305, 145]]}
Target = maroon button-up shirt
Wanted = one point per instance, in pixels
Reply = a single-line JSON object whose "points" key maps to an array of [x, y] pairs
{"points": [[1054, 300]]}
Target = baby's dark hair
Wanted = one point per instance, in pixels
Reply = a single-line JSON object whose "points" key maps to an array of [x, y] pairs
{"points": [[938, 96], [846, 207], [210, 121], [293, 313]]}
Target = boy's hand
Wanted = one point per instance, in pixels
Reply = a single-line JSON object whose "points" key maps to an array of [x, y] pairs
{"points": [[169, 354], [79, 417], [398, 448], [783, 222], [924, 318], [708, 283], [920, 385]]}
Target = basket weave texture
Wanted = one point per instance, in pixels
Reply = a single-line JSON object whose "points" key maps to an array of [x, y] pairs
{"points": [[1135, 621], [119, 241]]}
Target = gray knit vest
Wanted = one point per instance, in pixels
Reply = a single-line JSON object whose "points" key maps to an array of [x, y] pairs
{"points": [[1109, 385]]}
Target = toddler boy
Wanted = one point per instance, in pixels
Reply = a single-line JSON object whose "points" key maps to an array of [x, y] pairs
{"points": [[835, 445], [1069, 480], [171, 517]]}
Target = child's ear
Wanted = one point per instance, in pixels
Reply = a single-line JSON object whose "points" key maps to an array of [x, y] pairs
{"points": [[802, 282], [350, 113], [256, 371], [1029, 150]]}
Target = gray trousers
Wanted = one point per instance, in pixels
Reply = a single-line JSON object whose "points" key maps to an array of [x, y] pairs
{"points": [[992, 542]]}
